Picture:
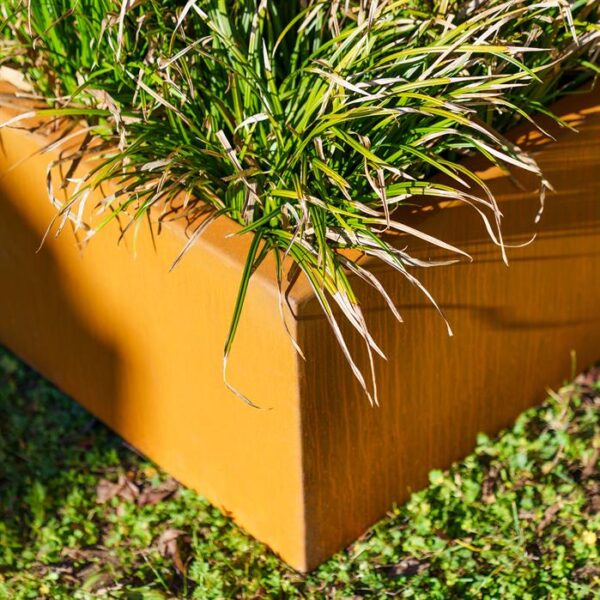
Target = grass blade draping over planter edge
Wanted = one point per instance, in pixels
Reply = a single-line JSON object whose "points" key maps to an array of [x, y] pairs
{"points": [[309, 123]]}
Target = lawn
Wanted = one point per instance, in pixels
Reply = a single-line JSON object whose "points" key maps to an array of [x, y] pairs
{"points": [[82, 515]]}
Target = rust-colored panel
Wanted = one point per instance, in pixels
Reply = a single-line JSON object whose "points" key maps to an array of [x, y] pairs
{"points": [[142, 348], [514, 328]]}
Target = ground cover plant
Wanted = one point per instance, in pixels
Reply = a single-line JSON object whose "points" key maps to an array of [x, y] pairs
{"points": [[83, 516], [309, 123]]}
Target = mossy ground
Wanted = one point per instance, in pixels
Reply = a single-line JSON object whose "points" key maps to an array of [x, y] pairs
{"points": [[83, 516]]}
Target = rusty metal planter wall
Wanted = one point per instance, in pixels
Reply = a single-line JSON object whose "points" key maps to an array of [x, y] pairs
{"points": [[141, 347]]}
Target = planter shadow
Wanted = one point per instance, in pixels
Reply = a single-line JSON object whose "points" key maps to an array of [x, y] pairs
{"points": [[34, 286], [42, 321], [45, 440]]}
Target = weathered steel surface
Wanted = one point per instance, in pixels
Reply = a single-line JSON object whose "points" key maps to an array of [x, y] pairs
{"points": [[142, 347]]}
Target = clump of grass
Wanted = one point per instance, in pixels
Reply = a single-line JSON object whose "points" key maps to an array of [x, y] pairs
{"points": [[309, 122]]}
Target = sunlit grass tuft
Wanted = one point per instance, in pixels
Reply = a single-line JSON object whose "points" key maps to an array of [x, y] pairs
{"points": [[309, 123]]}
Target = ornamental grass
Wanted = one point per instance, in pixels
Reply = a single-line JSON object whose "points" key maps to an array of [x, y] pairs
{"points": [[307, 122]]}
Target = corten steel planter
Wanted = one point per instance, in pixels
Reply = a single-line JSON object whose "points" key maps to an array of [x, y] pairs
{"points": [[141, 347]]}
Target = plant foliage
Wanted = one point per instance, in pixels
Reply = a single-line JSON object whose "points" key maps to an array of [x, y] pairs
{"points": [[308, 122]]}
